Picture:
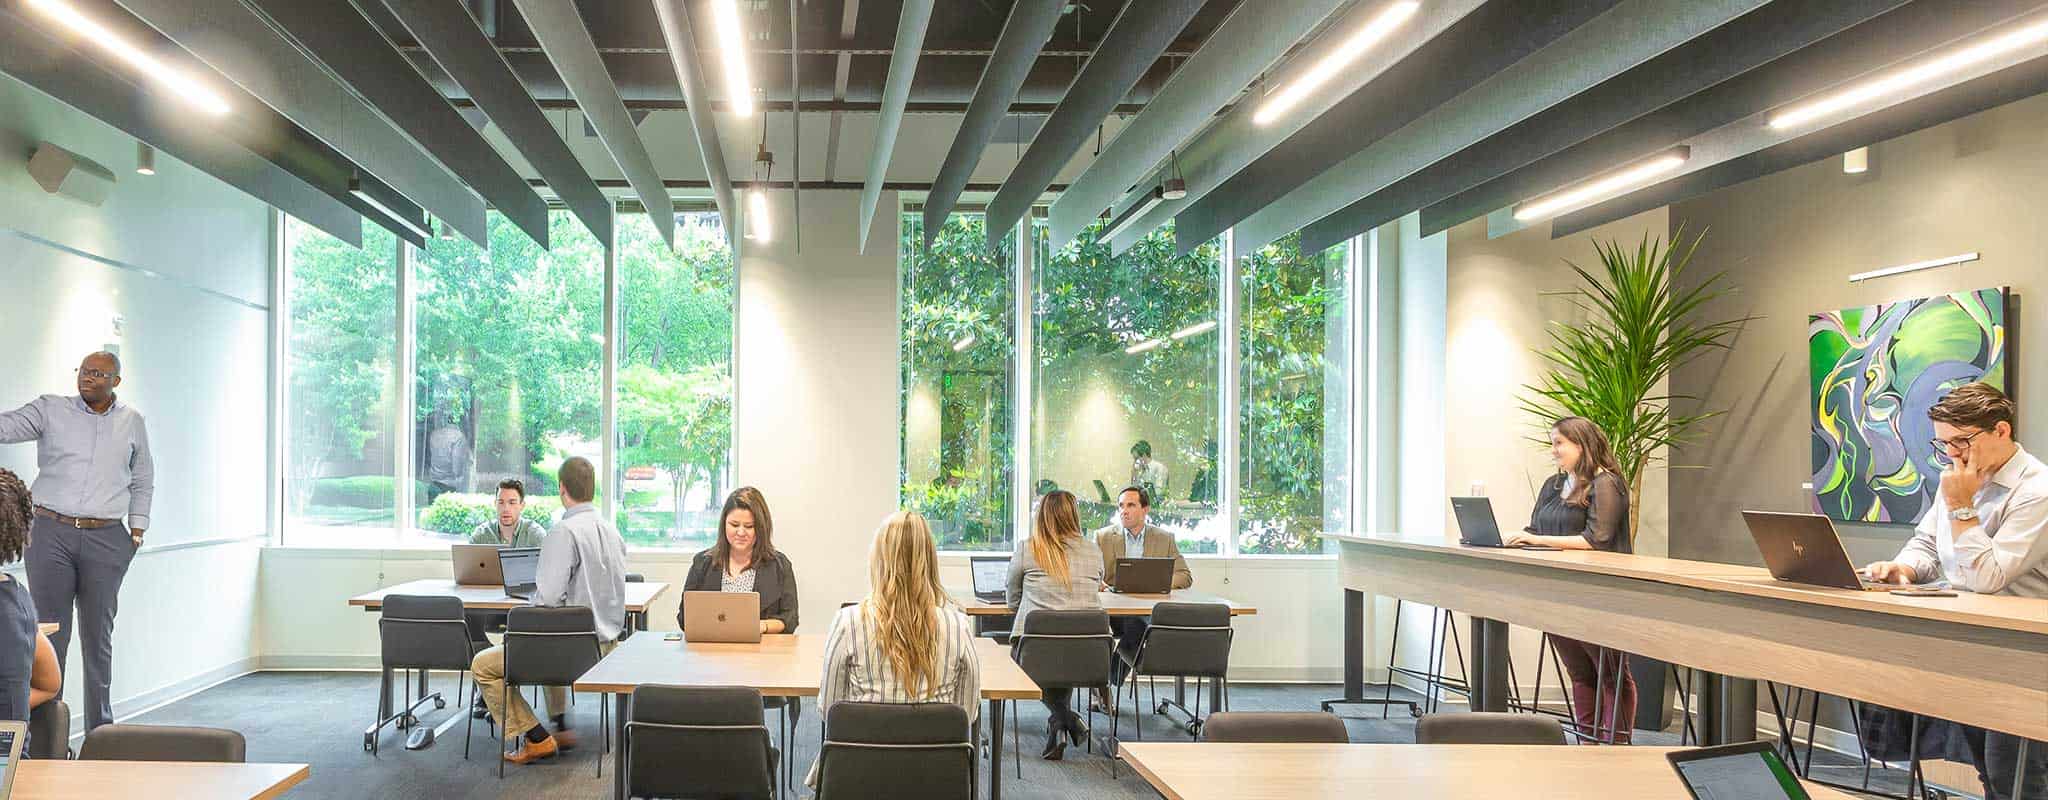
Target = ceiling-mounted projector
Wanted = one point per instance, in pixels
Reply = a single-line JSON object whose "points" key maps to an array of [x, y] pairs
{"points": [[60, 171]]}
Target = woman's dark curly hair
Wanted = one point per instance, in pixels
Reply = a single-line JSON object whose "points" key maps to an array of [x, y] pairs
{"points": [[15, 516]]}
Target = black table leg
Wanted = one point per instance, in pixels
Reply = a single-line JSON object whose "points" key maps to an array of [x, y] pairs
{"points": [[995, 746], [1727, 709], [1489, 665], [384, 696], [619, 745]]}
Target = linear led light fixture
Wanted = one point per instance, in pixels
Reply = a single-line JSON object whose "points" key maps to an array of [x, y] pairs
{"points": [[1195, 329], [1336, 60], [1913, 267], [1148, 344], [369, 195], [180, 84], [962, 345], [732, 45], [1613, 183], [1131, 215], [760, 228], [1881, 88]]}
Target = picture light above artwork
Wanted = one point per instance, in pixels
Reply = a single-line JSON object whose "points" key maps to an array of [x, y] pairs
{"points": [[1913, 267]]}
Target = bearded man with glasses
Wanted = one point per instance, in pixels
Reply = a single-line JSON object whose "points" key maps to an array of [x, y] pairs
{"points": [[94, 483], [1984, 536]]}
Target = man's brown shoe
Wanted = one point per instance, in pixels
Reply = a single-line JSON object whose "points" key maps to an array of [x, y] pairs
{"points": [[530, 752]]}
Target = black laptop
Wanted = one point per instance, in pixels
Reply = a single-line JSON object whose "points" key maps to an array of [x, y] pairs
{"points": [[521, 566], [1477, 526], [1746, 771], [1143, 576], [1804, 548], [991, 577]]}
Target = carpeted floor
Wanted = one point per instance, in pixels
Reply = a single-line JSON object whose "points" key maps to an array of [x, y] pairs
{"points": [[318, 718]]}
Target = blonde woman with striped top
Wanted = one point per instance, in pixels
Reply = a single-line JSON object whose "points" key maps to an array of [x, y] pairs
{"points": [[905, 643]]}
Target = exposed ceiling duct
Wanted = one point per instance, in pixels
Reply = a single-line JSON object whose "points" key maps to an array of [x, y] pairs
{"points": [[1024, 35], [1236, 139], [1257, 35], [902, 67], [451, 35], [1745, 43], [238, 44], [560, 29], [674, 18], [1131, 47]]}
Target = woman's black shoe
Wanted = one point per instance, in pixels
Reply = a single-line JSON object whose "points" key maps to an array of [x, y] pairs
{"points": [[1055, 749], [1077, 731]]}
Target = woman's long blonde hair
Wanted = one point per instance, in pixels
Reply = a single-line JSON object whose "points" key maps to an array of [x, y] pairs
{"points": [[1052, 525], [904, 599]]}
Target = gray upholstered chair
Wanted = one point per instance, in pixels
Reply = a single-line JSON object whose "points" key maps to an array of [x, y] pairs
{"points": [[49, 731], [1067, 650], [552, 647], [922, 751], [1488, 728], [1185, 640], [1286, 727], [129, 742], [684, 741], [420, 633]]}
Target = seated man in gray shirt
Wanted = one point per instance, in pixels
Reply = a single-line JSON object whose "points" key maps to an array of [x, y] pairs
{"points": [[582, 563]]}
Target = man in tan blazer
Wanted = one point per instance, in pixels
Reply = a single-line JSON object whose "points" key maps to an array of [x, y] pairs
{"points": [[1132, 532]]}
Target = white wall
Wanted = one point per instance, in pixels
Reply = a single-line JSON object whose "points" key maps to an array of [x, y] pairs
{"points": [[182, 260]]}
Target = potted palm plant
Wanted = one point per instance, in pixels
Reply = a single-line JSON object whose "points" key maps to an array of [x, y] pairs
{"points": [[1642, 323]]}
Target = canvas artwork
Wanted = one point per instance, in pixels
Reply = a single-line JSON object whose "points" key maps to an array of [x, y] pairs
{"points": [[1875, 372]]}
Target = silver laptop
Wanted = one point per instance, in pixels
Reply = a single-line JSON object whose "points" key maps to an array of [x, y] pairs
{"points": [[477, 565], [520, 567], [13, 735], [1804, 548], [722, 617], [991, 578]]}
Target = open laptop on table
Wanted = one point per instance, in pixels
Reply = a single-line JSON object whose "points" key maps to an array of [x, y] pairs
{"points": [[1143, 576], [520, 567], [1804, 548], [13, 736], [1477, 526], [722, 617], [991, 577], [1745, 771], [477, 565]]}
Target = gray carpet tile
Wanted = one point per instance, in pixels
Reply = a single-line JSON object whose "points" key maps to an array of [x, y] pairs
{"points": [[318, 718]]}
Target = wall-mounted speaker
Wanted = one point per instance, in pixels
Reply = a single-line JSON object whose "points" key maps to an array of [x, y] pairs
{"points": [[60, 171]]}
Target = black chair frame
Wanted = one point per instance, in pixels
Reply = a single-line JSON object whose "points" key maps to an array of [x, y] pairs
{"points": [[1161, 707], [1023, 641], [504, 698], [407, 718], [634, 724]]}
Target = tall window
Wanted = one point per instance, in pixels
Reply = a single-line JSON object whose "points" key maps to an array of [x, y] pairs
{"points": [[674, 380], [508, 348], [957, 354], [341, 308], [1126, 380], [1294, 337]]}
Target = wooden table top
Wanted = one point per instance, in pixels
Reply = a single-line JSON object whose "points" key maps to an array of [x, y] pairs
{"points": [[1215, 771], [1118, 605], [781, 665], [48, 628], [51, 780], [2029, 615], [638, 595]]}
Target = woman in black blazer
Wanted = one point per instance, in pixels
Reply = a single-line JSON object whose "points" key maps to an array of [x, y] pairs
{"points": [[745, 560]]}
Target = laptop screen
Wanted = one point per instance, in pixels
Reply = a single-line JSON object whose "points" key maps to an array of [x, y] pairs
{"points": [[1740, 776], [6, 763], [991, 575], [521, 565]]}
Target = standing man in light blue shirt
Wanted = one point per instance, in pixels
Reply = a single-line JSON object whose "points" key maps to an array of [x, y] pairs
{"points": [[582, 563], [1985, 535], [93, 472]]}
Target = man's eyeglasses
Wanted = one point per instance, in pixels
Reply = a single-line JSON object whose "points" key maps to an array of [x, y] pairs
{"points": [[98, 375], [1959, 444]]}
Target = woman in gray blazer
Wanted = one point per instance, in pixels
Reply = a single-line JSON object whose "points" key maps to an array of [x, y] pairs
{"points": [[1055, 569]]}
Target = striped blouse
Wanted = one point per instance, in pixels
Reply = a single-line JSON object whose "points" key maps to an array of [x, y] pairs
{"points": [[857, 671]]}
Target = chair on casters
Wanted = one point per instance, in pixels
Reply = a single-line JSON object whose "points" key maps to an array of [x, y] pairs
{"points": [[1185, 640], [419, 633], [1488, 728], [698, 742], [921, 750], [130, 742], [1067, 650], [1280, 727], [49, 731], [552, 647]]}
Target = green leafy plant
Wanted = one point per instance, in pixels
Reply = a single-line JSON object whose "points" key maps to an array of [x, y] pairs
{"points": [[1642, 324]]}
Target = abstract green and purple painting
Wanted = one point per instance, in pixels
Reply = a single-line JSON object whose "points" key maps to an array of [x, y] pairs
{"points": [[1875, 372]]}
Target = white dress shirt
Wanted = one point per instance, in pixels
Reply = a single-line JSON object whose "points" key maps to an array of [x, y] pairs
{"points": [[2005, 553]]}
